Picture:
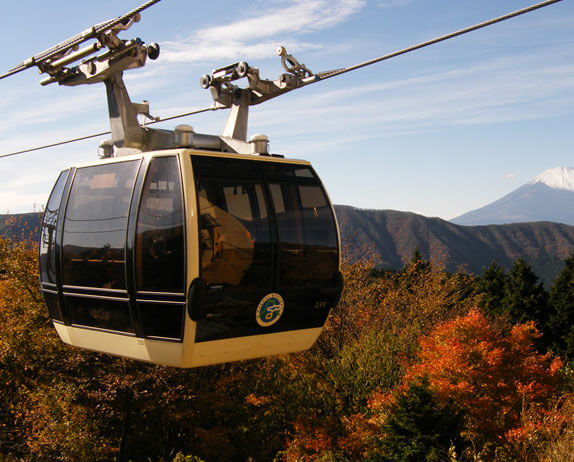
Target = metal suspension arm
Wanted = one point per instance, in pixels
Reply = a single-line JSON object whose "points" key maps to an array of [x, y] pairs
{"points": [[225, 94], [126, 130]]}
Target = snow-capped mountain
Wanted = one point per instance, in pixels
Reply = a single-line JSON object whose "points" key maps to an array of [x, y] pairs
{"points": [[548, 197], [557, 178]]}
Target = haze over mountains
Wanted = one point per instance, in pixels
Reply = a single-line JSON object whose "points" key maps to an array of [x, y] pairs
{"points": [[548, 197]]}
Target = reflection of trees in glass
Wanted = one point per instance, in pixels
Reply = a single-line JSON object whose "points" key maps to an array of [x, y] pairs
{"points": [[48, 237], [226, 244], [95, 225], [160, 250]]}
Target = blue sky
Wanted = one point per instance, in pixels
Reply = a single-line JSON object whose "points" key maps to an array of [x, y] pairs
{"points": [[440, 131]]}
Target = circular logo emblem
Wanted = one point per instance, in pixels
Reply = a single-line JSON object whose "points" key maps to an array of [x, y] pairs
{"points": [[269, 310]]}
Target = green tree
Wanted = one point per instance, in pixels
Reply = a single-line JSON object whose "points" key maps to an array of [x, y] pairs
{"points": [[492, 286], [560, 327], [525, 298], [419, 262], [419, 428]]}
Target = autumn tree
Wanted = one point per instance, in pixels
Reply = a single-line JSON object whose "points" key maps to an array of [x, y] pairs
{"points": [[65, 404], [492, 376], [385, 317], [61, 403]]}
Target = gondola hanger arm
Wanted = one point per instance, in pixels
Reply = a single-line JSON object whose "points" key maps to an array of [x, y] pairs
{"points": [[70, 45]]}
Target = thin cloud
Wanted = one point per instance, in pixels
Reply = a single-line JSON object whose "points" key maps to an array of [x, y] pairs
{"points": [[392, 3], [511, 176], [184, 52], [41, 114], [251, 37], [300, 16]]}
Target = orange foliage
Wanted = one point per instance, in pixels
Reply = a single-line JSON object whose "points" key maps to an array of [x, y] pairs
{"points": [[491, 376]]}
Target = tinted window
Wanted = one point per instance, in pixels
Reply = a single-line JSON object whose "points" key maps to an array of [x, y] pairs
{"points": [[285, 171], [103, 314], [48, 237], [53, 303], [234, 233], [162, 320], [230, 168], [308, 244], [160, 258], [95, 225]]}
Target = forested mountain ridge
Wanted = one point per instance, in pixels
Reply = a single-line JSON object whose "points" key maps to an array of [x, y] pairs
{"points": [[393, 236]]}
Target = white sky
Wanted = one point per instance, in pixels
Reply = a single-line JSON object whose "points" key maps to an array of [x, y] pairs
{"points": [[439, 131]]}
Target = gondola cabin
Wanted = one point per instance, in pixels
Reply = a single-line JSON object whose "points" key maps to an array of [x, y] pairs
{"points": [[187, 257]]}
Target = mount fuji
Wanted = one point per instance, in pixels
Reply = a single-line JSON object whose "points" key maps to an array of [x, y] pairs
{"points": [[548, 197]]}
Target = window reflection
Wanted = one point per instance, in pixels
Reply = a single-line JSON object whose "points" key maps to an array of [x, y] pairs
{"points": [[95, 225], [234, 233], [160, 256], [308, 244], [48, 238], [103, 314]]}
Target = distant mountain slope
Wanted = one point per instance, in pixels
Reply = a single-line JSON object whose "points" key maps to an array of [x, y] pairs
{"points": [[548, 197], [21, 226], [395, 235]]}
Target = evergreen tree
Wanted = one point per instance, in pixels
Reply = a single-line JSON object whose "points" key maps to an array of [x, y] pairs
{"points": [[419, 429], [492, 284], [525, 298], [560, 328], [418, 261]]}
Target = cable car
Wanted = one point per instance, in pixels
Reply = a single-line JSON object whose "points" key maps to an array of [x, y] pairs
{"points": [[186, 257]]}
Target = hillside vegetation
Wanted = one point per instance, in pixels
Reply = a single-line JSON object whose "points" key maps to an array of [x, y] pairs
{"points": [[413, 365], [393, 236]]}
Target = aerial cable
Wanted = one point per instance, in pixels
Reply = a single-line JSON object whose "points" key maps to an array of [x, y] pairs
{"points": [[92, 32], [333, 73], [95, 135]]}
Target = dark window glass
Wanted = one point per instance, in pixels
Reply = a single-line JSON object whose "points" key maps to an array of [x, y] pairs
{"points": [[234, 233], [95, 225], [162, 320], [53, 302], [230, 168], [308, 245], [48, 237], [160, 257], [103, 314], [286, 171]]}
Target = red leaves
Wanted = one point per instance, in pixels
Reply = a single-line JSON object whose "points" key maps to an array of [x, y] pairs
{"points": [[490, 375]]}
